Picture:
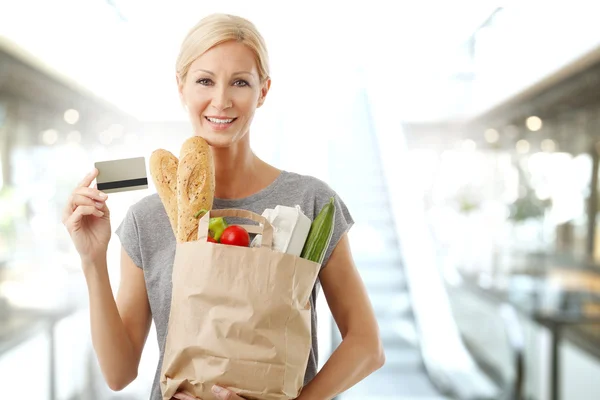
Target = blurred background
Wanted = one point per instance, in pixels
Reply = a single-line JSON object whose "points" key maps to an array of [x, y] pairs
{"points": [[462, 134]]}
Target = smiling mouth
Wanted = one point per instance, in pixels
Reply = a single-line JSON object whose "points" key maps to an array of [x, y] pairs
{"points": [[220, 120]]}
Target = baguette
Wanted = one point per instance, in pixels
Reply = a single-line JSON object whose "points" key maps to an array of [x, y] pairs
{"points": [[195, 186], [163, 169]]}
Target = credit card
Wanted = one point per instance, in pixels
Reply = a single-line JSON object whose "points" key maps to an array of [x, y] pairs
{"points": [[122, 175]]}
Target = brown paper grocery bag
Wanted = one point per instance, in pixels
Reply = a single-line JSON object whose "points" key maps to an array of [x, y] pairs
{"points": [[240, 317]]}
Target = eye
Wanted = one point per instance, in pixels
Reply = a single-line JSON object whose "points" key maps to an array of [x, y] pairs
{"points": [[241, 83], [204, 81]]}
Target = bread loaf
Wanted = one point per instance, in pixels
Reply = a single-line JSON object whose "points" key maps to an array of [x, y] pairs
{"points": [[163, 169], [195, 186]]}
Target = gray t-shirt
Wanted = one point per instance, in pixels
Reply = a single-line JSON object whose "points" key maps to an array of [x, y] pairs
{"points": [[146, 235]]}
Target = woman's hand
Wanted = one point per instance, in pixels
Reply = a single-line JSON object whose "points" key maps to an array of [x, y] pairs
{"points": [[225, 394], [87, 218], [221, 393], [183, 396]]}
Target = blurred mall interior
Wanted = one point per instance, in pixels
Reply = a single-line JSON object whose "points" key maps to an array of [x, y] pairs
{"points": [[464, 136]]}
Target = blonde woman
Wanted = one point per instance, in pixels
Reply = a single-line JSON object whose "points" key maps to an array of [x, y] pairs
{"points": [[223, 77]]}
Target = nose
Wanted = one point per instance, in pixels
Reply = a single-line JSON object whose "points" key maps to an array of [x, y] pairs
{"points": [[221, 99]]}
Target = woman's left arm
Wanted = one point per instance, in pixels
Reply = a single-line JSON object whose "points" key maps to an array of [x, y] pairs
{"points": [[361, 351]]}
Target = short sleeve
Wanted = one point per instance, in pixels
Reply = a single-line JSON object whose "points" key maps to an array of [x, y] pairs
{"points": [[342, 223], [129, 237]]}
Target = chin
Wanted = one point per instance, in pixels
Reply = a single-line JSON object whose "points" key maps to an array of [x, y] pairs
{"points": [[218, 139]]}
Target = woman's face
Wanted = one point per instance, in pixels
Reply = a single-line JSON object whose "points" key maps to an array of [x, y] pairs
{"points": [[221, 91]]}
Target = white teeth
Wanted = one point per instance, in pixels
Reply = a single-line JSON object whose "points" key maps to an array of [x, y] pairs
{"points": [[219, 121]]}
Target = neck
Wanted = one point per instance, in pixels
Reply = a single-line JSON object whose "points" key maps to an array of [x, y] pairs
{"points": [[236, 168]]}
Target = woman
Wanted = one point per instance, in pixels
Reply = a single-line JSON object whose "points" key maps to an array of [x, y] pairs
{"points": [[223, 77]]}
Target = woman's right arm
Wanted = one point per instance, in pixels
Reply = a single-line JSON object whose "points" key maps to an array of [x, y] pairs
{"points": [[119, 328]]}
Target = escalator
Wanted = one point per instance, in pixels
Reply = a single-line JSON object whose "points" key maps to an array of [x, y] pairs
{"points": [[425, 354], [403, 376]]}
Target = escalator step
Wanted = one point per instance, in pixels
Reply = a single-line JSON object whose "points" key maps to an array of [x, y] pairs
{"points": [[395, 330], [393, 383], [400, 357]]}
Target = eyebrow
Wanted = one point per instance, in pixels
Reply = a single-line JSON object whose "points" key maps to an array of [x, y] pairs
{"points": [[212, 73]]}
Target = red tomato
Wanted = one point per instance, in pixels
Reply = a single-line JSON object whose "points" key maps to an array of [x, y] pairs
{"points": [[235, 235], [211, 239]]}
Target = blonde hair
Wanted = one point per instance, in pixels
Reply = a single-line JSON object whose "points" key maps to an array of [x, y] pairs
{"points": [[216, 29]]}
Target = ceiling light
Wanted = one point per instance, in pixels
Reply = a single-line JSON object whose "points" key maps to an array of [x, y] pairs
{"points": [[71, 116], [491, 135], [49, 137], [533, 123]]}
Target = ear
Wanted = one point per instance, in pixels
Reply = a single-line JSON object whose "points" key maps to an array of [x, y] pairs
{"points": [[263, 92], [180, 89]]}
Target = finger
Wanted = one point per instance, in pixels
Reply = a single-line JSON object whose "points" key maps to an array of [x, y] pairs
{"points": [[225, 394], [102, 194], [99, 201], [94, 194], [184, 396], [75, 219], [83, 211], [67, 211], [85, 182], [80, 200], [75, 200], [84, 190]]}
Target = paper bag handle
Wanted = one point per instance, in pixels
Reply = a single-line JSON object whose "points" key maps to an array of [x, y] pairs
{"points": [[266, 231]]}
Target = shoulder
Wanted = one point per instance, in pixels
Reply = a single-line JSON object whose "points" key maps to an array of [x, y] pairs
{"points": [[313, 191], [308, 183], [151, 201]]}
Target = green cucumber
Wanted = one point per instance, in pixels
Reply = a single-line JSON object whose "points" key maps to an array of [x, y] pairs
{"points": [[320, 234]]}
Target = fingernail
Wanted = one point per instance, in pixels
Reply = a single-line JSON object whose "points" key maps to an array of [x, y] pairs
{"points": [[98, 204], [216, 389], [103, 195]]}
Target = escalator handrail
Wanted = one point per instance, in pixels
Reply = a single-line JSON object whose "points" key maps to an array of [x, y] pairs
{"points": [[516, 339]]}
